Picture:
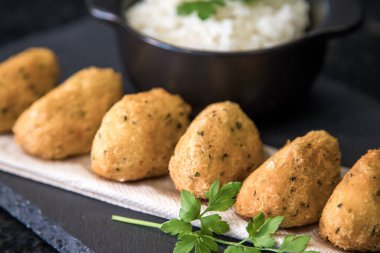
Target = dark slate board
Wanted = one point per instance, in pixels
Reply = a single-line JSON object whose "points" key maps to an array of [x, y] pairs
{"points": [[353, 117], [15, 237], [87, 219], [31, 216]]}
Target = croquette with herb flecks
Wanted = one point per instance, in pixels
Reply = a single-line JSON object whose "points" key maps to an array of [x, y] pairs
{"points": [[295, 182], [221, 143], [351, 217], [24, 78], [63, 123], [138, 136]]}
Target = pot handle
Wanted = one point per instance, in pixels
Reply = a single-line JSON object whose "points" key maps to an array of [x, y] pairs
{"points": [[107, 11], [344, 16]]}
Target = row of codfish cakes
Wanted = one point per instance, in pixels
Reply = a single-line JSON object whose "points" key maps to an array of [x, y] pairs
{"points": [[143, 135]]}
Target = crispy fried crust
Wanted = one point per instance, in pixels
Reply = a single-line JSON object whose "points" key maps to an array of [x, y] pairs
{"points": [[351, 217], [138, 136], [295, 182], [64, 122], [221, 143], [23, 79]]}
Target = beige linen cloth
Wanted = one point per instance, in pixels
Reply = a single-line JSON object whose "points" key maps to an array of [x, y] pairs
{"points": [[155, 196]]}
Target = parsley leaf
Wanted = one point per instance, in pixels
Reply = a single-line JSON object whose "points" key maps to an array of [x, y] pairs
{"points": [[260, 230], [249, 1], [186, 243], [213, 191], [208, 242], [204, 9], [270, 226], [190, 207], [201, 248], [266, 241], [175, 227], [294, 243], [221, 200], [214, 224], [201, 243], [255, 224]]}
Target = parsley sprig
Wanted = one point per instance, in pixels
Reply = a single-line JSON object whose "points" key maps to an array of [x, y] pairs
{"points": [[203, 8], [260, 229]]}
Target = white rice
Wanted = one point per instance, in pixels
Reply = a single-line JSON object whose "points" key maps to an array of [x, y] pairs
{"points": [[236, 26]]}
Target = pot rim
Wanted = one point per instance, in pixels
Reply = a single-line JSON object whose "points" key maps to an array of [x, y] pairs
{"points": [[328, 31]]}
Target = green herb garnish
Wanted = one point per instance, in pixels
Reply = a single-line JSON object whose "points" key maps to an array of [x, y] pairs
{"points": [[204, 8], [260, 229]]}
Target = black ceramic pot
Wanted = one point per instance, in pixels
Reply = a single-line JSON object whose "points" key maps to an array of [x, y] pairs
{"points": [[259, 80]]}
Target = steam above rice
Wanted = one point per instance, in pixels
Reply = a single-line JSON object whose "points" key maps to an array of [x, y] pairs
{"points": [[236, 26]]}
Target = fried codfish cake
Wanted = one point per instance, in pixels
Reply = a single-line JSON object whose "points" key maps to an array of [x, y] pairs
{"points": [[351, 217], [295, 182], [23, 79], [221, 143], [63, 123], [138, 136]]}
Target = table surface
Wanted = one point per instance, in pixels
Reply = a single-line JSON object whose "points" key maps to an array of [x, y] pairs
{"points": [[353, 117]]}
